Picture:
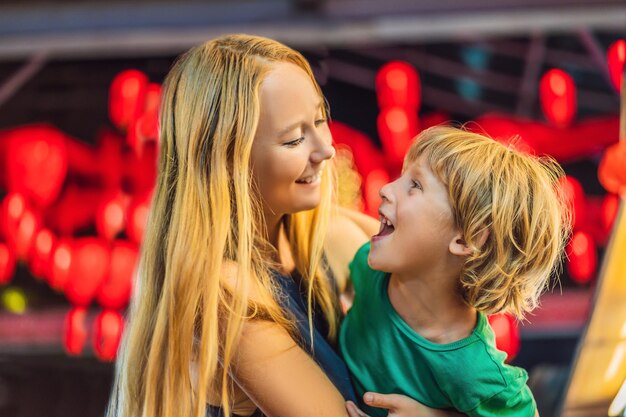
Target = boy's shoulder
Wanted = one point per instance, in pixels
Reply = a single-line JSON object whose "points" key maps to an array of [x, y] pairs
{"points": [[360, 269], [480, 383]]}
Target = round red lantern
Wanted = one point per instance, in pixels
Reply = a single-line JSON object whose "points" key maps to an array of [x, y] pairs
{"points": [[582, 259], [558, 97], [126, 97], [374, 181], [111, 215], [117, 287], [610, 207], [398, 84], [23, 237], [397, 126], [108, 328], [38, 164], [75, 331], [7, 263], [575, 199], [612, 169], [89, 267], [137, 217], [40, 258], [61, 262], [616, 57], [507, 334]]}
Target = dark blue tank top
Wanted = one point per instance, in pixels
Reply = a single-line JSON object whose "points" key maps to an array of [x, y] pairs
{"points": [[294, 302]]}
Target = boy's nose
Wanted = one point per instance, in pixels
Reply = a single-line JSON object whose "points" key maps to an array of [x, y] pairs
{"points": [[385, 192]]}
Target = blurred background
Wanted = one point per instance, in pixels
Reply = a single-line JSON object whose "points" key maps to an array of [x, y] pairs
{"points": [[79, 95]]}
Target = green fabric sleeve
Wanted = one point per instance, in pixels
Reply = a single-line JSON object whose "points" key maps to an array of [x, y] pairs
{"points": [[514, 401]]}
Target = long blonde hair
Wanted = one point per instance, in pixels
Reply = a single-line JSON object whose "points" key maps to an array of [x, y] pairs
{"points": [[206, 219], [513, 197]]}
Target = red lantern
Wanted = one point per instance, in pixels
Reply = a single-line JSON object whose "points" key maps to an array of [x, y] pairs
{"points": [[126, 97], [507, 334], [397, 126], [575, 198], [366, 156], [40, 259], [142, 168], [75, 331], [88, 269], [612, 169], [110, 160], [61, 263], [558, 97], [398, 84], [610, 207], [111, 215], [21, 236], [13, 207], [434, 119], [7, 264], [146, 127], [373, 183], [616, 58], [38, 163], [582, 259], [108, 328], [75, 210], [116, 289], [137, 217]]}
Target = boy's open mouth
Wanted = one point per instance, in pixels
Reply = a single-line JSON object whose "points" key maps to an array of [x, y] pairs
{"points": [[386, 227]]}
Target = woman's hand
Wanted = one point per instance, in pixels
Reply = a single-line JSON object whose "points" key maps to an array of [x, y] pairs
{"points": [[398, 406]]}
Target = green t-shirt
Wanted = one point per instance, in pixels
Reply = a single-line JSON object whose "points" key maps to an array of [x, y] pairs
{"points": [[385, 355]]}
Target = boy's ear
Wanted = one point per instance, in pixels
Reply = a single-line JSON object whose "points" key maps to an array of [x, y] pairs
{"points": [[458, 245]]}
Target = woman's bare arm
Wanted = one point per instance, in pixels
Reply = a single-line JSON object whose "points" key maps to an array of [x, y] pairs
{"points": [[280, 377]]}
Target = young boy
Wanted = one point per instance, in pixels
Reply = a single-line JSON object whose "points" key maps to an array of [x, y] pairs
{"points": [[471, 228]]}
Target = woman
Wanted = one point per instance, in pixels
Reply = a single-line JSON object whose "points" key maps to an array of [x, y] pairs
{"points": [[235, 306]]}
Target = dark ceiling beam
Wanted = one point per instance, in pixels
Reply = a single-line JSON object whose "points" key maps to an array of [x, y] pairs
{"points": [[166, 28]]}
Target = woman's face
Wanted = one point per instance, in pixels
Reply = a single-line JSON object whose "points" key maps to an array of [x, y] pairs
{"points": [[292, 141]]}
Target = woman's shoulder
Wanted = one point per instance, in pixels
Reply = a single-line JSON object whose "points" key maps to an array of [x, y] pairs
{"points": [[348, 231]]}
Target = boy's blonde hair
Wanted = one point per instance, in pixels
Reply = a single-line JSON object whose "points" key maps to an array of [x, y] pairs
{"points": [[515, 199]]}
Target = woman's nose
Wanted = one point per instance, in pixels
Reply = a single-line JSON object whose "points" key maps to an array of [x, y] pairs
{"points": [[323, 152]]}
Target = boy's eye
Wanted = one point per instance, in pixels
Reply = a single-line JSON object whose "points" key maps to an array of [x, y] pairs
{"points": [[293, 143], [416, 184]]}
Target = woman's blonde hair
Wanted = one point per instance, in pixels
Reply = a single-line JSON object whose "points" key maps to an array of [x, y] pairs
{"points": [[511, 198], [204, 251]]}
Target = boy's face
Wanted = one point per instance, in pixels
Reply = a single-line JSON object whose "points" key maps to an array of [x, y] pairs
{"points": [[421, 223]]}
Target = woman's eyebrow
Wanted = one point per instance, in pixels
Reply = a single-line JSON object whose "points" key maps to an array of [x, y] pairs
{"points": [[296, 124], [288, 128]]}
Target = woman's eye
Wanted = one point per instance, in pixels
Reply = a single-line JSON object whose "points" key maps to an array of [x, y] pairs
{"points": [[320, 122], [416, 184], [293, 143]]}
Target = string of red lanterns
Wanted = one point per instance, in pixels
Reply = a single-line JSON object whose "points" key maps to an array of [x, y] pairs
{"points": [[42, 211]]}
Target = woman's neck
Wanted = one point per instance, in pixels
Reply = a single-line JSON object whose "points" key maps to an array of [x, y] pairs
{"points": [[277, 237], [274, 228]]}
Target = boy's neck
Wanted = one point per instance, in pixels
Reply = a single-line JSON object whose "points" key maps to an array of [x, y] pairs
{"points": [[432, 306]]}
